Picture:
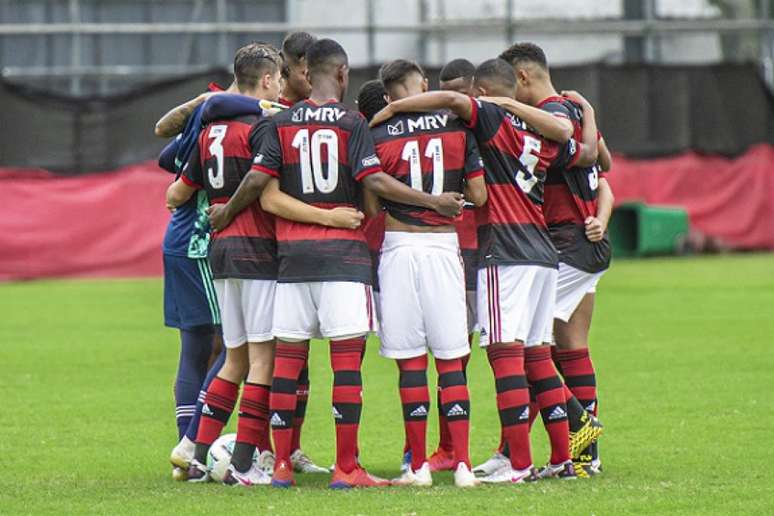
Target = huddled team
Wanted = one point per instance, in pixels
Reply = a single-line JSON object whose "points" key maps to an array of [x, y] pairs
{"points": [[333, 223]]}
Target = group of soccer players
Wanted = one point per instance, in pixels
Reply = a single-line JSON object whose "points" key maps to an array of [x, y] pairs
{"points": [[426, 217]]}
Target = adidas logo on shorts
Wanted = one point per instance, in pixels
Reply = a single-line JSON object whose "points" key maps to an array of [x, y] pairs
{"points": [[207, 411], [557, 413], [337, 414], [524, 414], [276, 420], [456, 410], [419, 411]]}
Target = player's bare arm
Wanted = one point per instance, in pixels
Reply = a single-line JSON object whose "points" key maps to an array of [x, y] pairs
{"points": [[178, 194], [448, 204], [173, 122], [475, 191], [248, 192], [590, 150], [457, 103], [605, 159], [596, 226], [371, 203], [282, 205], [552, 127]]}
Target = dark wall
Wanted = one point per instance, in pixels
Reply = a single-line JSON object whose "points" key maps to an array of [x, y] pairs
{"points": [[643, 111]]}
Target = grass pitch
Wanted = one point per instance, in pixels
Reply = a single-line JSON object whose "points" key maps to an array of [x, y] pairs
{"points": [[683, 349]]}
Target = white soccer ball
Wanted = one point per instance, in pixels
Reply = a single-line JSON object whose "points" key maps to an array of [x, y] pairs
{"points": [[219, 456]]}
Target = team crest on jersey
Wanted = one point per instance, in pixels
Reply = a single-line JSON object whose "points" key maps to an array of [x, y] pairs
{"points": [[258, 159], [298, 116], [370, 161], [395, 129]]}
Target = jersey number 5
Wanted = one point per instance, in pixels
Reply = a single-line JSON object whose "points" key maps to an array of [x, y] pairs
{"points": [[217, 133], [311, 160], [526, 181], [433, 150]]}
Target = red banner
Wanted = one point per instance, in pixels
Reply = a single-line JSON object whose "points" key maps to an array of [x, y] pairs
{"points": [[112, 224]]}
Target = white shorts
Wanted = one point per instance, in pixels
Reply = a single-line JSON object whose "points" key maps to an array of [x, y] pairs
{"points": [[571, 286], [422, 296], [323, 309], [246, 309], [516, 302]]}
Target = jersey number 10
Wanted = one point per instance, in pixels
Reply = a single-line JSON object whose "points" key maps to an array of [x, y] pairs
{"points": [[312, 174], [433, 150]]}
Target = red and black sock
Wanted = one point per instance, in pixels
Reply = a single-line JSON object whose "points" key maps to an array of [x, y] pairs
{"points": [[288, 362], [455, 405], [445, 440], [253, 425], [218, 406], [549, 392], [346, 358], [507, 364], [302, 395], [579, 375], [415, 398]]}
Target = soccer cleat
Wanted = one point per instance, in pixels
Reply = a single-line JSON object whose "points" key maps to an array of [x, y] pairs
{"points": [[586, 466], [418, 478], [283, 475], [358, 477], [463, 477], [303, 464], [179, 474], [497, 462], [252, 477], [198, 472], [406, 464], [510, 475], [442, 460], [564, 471], [183, 453], [588, 433], [265, 462]]}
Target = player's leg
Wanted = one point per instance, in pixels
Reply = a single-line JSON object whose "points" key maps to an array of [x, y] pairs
{"points": [[195, 347], [501, 292], [222, 393], [415, 400], [346, 315], [253, 423]]}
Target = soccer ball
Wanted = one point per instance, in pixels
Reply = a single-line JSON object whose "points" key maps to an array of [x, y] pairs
{"points": [[219, 456]]}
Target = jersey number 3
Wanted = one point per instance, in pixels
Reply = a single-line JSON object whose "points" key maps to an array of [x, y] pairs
{"points": [[312, 174], [217, 133], [434, 150]]}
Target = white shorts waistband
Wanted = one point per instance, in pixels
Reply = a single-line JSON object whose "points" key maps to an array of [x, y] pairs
{"points": [[393, 239]]}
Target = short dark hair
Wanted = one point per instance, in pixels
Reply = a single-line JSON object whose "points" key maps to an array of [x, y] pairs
{"points": [[253, 61], [370, 98], [324, 54], [525, 53], [457, 68], [295, 45], [395, 72], [496, 70]]}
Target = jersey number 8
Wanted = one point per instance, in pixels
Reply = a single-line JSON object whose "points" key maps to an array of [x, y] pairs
{"points": [[311, 160]]}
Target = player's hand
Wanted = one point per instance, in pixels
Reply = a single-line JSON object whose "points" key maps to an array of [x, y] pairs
{"points": [[346, 218], [449, 204], [382, 116], [219, 217], [576, 97], [595, 230], [171, 208]]}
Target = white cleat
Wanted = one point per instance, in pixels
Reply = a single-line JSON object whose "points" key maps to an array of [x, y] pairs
{"points": [[512, 476], [497, 462], [463, 477], [419, 478], [252, 477], [303, 464], [265, 462], [183, 453]]}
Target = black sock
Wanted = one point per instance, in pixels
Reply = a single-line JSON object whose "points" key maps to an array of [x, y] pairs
{"points": [[242, 458], [200, 454], [576, 414]]}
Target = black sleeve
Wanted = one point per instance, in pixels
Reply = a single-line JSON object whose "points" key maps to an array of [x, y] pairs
{"points": [[193, 174], [257, 133], [362, 151], [485, 120], [268, 159], [474, 165], [557, 109]]}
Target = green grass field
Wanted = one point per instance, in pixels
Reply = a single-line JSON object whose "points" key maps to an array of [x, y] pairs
{"points": [[683, 349]]}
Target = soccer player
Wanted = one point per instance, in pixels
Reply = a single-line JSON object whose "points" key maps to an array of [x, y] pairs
{"points": [[577, 208], [321, 152], [517, 261], [422, 280], [243, 259], [457, 75]]}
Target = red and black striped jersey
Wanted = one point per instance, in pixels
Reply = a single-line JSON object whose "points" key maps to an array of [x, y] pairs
{"points": [[430, 152], [571, 197], [511, 226], [320, 153], [223, 155], [468, 240]]}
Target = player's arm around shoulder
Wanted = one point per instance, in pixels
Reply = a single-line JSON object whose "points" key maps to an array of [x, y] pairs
{"points": [[475, 191], [556, 128], [173, 122], [276, 202], [587, 156], [457, 103]]}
